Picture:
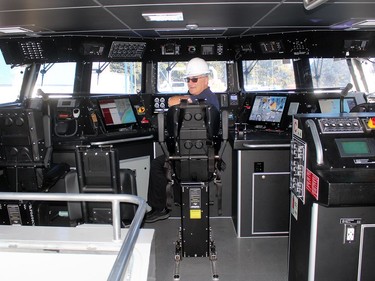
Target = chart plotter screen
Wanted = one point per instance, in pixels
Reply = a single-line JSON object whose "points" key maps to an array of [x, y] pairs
{"points": [[268, 109], [117, 112]]}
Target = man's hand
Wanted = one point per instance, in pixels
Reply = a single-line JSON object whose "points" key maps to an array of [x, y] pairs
{"points": [[177, 100]]}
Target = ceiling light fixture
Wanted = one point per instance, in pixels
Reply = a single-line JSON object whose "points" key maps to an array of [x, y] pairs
{"points": [[14, 29], [355, 24], [192, 26], [365, 23], [178, 16], [311, 4]]}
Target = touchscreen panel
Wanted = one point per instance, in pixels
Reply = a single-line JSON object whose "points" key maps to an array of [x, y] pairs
{"points": [[333, 105], [117, 112], [268, 109]]}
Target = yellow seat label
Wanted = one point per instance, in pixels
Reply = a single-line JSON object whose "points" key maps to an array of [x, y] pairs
{"points": [[195, 214]]}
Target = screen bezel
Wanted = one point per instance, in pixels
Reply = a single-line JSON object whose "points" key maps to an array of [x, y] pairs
{"points": [[346, 99], [369, 142], [263, 124], [116, 127]]}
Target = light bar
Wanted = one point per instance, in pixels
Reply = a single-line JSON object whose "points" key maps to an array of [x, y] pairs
{"points": [[178, 16], [365, 23], [311, 4], [14, 29]]}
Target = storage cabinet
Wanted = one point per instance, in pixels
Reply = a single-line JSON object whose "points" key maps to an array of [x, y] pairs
{"points": [[260, 191]]}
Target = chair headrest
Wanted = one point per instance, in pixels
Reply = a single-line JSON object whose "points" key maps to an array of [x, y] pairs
{"points": [[191, 116]]}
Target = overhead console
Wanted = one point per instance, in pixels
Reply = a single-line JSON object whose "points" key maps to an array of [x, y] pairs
{"points": [[198, 48], [305, 44], [19, 50], [70, 48], [276, 46]]}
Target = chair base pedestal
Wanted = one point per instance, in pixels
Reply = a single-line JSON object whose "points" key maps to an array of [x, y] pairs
{"points": [[195, 234]]}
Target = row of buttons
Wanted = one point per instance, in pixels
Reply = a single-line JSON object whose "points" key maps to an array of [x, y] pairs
{"points": [[355, 124], [334, 125]]}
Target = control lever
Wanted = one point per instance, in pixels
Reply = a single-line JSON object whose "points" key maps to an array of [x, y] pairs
{"points": [[343, 94]]}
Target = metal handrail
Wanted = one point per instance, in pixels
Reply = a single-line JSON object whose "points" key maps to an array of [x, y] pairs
{"points": [[123, 257], [260, 146]]}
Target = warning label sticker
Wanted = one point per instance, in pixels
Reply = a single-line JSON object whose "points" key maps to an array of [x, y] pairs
{"points": [[195, 214], [195, 198], [312, 184], [296, 131]]}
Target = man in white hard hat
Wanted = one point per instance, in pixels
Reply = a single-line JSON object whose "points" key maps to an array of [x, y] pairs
{"points": [[197, 72], [197, 77]]}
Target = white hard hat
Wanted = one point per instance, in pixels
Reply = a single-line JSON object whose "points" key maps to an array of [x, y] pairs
{"points": [[196, 67]]}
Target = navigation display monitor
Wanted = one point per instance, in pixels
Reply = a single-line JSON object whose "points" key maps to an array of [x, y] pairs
{"points": [[333, 105], [268, 109], [117, 112]]}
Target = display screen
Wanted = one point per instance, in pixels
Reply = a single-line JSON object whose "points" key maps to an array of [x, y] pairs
{"points": [[333, 105], [268, 109], [355, 147], [117, 112]]}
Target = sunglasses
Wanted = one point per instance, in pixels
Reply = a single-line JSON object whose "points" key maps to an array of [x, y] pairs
{"points": [[194, 79]]}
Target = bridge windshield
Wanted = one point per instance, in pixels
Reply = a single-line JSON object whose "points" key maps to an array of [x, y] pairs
{"points": [[330, 72], [116, 78], [56, 78], [268, 75], [10, 81]]}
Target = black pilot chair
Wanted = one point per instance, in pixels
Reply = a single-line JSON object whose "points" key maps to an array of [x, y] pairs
{"points": [[192, 150], [26, 165]]}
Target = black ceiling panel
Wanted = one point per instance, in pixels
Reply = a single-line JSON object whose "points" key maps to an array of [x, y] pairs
{"points": [[62, 20], [323, 17], [43, 4], [218, 18], [240, 15], [178, 2]]}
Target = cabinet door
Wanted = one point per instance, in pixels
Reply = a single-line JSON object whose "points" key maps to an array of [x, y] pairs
{"points": [[270, 203]]}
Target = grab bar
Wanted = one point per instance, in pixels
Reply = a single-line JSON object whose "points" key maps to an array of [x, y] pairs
{"points": [[260, 146], [122, 140], [127, 246]]}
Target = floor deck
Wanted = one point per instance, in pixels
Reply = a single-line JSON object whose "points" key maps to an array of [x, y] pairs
{"points": [[239, 259]]}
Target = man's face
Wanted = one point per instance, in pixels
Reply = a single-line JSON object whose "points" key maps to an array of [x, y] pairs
{"points": [[195, 88]]}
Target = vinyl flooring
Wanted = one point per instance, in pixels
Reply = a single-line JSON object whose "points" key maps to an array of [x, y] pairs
{"points": [[238, 259]]}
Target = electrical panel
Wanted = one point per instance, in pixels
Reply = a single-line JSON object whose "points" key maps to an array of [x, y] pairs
{"points": [[127, 50], [298, 167]]}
